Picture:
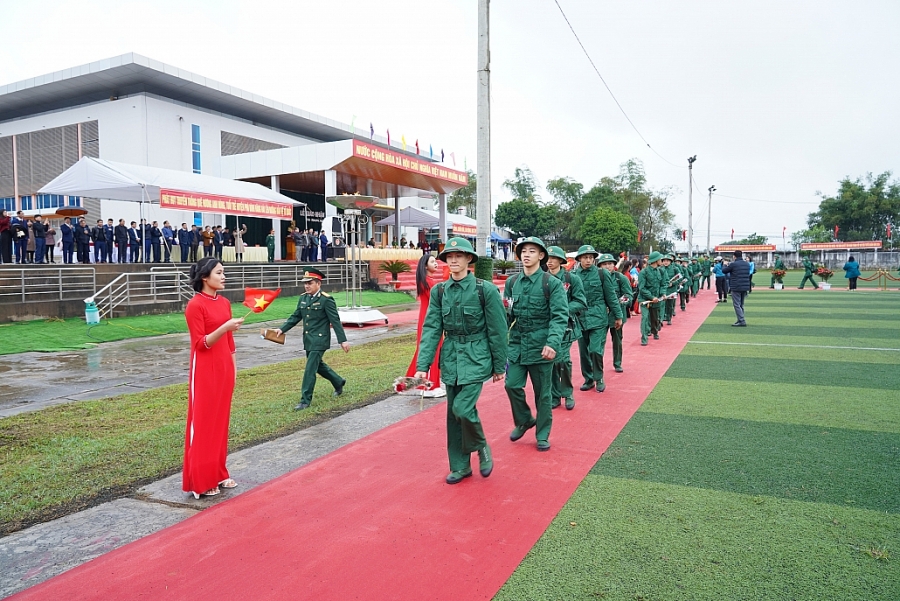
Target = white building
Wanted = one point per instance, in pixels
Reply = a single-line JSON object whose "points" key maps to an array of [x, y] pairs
{"points": [[135, 110]]}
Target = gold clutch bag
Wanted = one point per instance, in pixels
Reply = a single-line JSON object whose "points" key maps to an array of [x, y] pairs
{"points": [[271, 335]]}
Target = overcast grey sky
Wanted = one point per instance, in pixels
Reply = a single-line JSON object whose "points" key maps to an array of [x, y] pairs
{"points": [[777, 98]]}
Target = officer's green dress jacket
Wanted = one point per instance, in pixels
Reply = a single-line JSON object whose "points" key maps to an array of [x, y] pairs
{"points": [[623, 289], [535, 321], [270, 241], [318, 313], [600, 292], [467, 356], [649, 284], [577, 304], [808, 267]]}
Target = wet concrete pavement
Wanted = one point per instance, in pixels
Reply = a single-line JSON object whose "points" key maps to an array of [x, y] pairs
{"points": [[36, 554], [33, 381]]}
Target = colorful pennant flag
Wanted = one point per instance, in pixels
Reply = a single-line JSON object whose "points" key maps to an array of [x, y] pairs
{"points": [[453, 156], [732, 233], [442, 155], [353, 126], [403, 141], [389, 137], [889, 230], [836, 229], [430, 152], [371, 131], [640, 235], [258, 300], [417, 146]]}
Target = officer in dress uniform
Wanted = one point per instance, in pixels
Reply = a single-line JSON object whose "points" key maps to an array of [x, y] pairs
{"points": [[562, 365], [602, 305], [319, 314], [470, 316], [538, 313], [626, 297], [650, 289], [705, 271]]}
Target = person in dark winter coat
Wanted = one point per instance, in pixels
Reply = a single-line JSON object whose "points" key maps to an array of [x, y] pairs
{"points": [[740, 285]]}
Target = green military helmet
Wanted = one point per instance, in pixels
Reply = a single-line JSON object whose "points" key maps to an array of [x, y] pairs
{"points": [[605, 258], [693, 258], [530, 240], [654, 257], [458, 245], [586, 249], [555, 251]]}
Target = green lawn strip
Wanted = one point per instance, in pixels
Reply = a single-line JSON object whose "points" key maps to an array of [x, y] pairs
{"points": [[802, 344], [762, 401], [622, 539], [792, 279], [73, 333], [763, 332], [741, 370], [72, 456], [805, 463], [860, 321], [765, 350]]}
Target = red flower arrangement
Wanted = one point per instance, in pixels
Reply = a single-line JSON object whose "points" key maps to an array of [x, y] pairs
{"points": [[404, 383], [824, 273]]}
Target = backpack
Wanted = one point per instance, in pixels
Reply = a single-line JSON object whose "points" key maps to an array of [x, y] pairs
{"points": [[479, 287], [545, 282]]}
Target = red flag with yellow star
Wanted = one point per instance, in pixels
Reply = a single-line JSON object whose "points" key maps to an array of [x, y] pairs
{"points": [[259, 300]]}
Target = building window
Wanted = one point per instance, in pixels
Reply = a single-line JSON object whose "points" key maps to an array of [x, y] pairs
{"points": [[26, 204], [50, 201], [8, 203], [195, 147], [74, 201]]}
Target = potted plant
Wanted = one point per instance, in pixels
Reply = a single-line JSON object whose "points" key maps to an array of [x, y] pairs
{"points": [[502, 265], [825, 274], [779, 274], [394, 268]]}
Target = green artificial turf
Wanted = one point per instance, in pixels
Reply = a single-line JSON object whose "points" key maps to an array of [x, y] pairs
{"points": [[72, 334], [764, 465]]}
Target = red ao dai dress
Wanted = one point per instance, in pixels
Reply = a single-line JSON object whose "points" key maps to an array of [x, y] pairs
{"points": [[210, 388], [434, 374]]}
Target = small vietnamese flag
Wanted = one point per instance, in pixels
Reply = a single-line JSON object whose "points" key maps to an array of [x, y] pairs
{"points": [[259, 300]]}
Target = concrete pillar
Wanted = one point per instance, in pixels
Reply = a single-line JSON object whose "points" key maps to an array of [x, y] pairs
{"points": [[330, 210], [396, 214], [442, 217], [276, 223]]}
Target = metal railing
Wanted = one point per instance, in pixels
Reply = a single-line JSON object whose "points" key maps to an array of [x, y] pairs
{"points": [[273, 275], [160, 284], [42, 284]]}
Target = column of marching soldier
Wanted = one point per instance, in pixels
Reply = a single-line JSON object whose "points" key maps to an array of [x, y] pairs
{"points": [[527, 332]]}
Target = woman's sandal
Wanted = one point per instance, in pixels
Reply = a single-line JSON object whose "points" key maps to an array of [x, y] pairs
{"points": [[229, 483], [210, 493]]}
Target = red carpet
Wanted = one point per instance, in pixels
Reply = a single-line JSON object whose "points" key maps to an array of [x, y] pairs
{"points": [[374, 520]]}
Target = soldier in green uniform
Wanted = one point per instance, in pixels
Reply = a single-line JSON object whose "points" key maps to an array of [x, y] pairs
{"points": [[538, 313], [808, 270], [705, 271], [694, 269], [671, 284], [469, 314], [626, 297], [684, 289], [562, 365], [649, 290], [779, 264], [602, 305], [270, 245], [318, 311]]}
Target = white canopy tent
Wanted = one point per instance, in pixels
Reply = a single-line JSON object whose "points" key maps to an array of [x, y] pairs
{"points": [[96, 178], [413, 217]]}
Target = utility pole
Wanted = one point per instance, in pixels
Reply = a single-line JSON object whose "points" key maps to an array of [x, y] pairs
{"points": [[691, 205], [483, 184], [709, 218]]}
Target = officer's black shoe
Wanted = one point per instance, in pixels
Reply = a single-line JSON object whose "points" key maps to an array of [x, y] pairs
{"points": [[588, 384], [485, 461], [619, 370], [601, 386], [519, 431], [739, 325], [457, 477], [570, 403], [339, 390], [543, 445], [656, 337], [301, 406]]}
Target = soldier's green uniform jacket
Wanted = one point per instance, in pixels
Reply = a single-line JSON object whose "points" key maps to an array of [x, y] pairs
{"points": [[808, 266], [694, 269], [600, 292], [705, 268], [670, 272], [623, 289], [532, 324], [649, 284], [577, 304], [270, 241], [466, 355], [779, 264], [318, 313]]}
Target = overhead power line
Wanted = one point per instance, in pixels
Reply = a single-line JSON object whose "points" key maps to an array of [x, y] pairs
{"points": [[608, 89]]}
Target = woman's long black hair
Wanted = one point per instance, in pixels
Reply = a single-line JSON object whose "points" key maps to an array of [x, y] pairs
{"points": [[201, 269], [422, 275]]}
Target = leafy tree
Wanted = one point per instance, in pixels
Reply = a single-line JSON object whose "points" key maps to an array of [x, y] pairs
{"points": [[522, 185], [753, 238], [609, 230], [465, 197], [813, 234], [567, 193], [861, 209], [526, 217]]}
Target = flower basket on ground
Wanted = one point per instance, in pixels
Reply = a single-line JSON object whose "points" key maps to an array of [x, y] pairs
{"points": [[824, 273], [394, 268], [779, 274]]}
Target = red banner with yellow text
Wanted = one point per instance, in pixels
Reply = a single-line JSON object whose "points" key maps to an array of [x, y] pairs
{"points": [[460, 229], [382, 156], [212, 203], [840, 245], [747, 248]]}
